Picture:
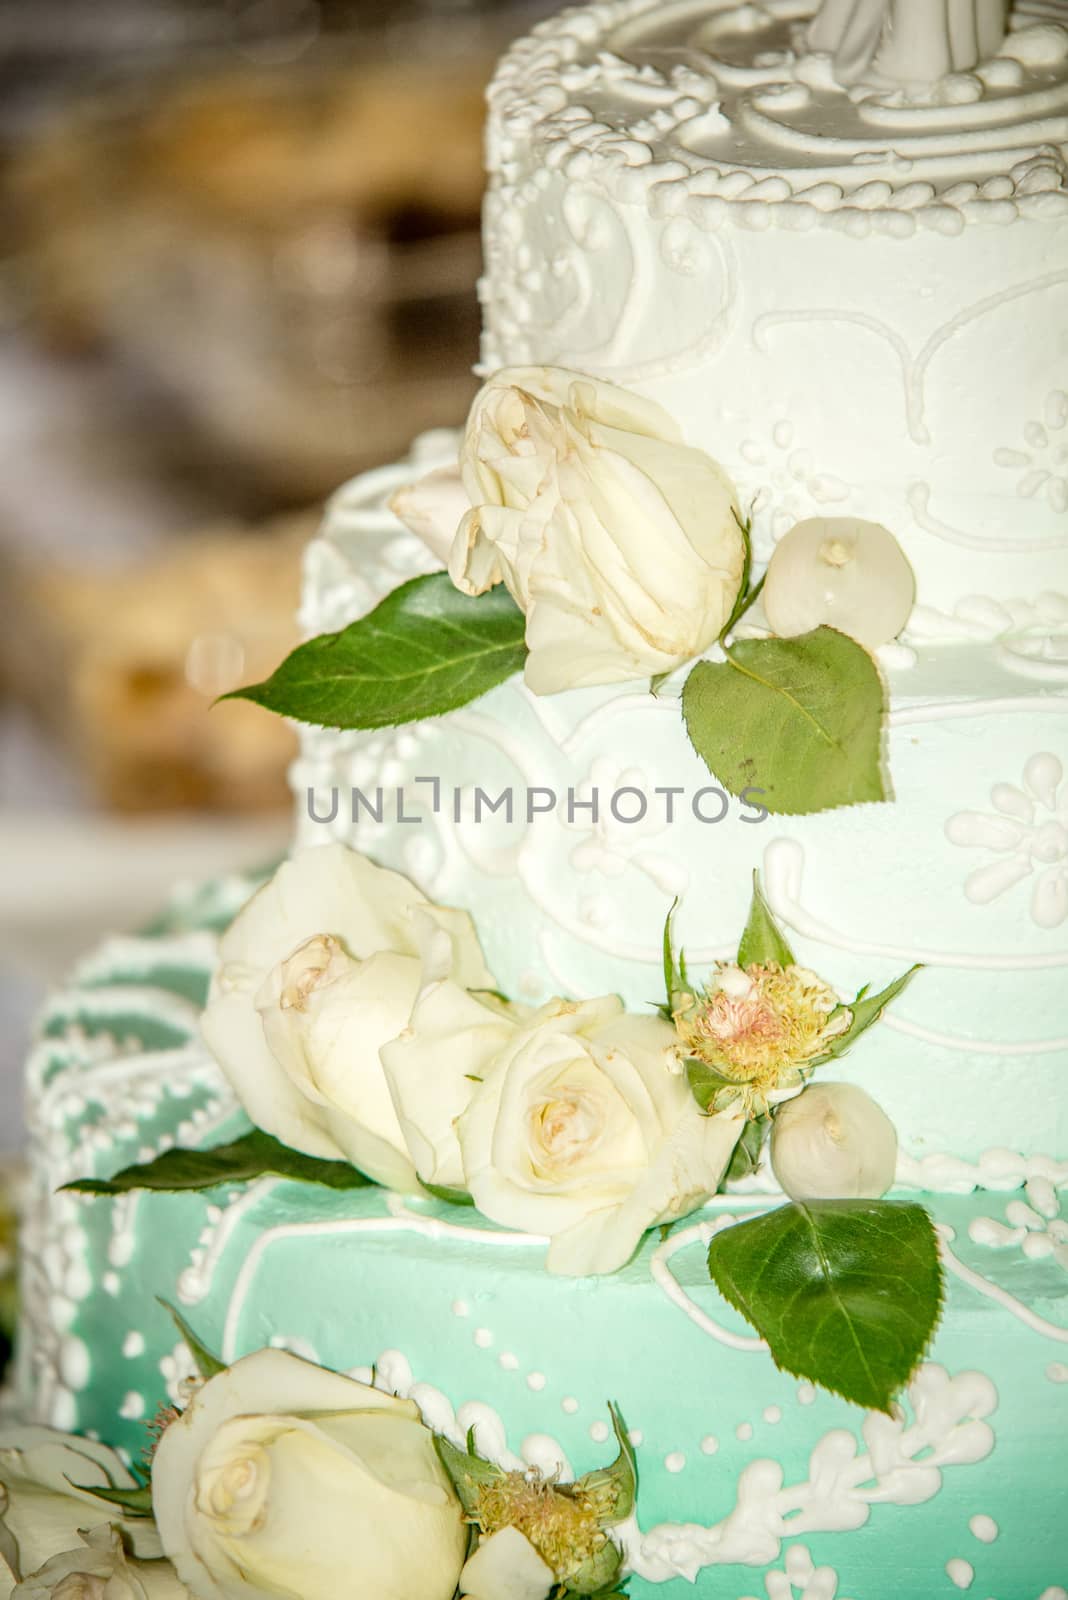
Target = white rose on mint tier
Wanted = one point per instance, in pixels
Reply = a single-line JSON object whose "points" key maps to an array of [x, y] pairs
{"points": [[45, 1499], [283, 1480], [833, 1142], [434, 1066], [583, 1128], [316, 973], [619, 542]]}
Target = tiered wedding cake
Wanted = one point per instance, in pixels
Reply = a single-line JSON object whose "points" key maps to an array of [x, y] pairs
{"points": [[831, 255]]}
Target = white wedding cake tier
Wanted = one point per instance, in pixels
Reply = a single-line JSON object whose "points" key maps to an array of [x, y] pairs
{"points": [[853, 297]]}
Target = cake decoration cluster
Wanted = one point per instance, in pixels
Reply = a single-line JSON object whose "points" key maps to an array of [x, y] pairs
{"points": [[586, 544], [367, 1042]]}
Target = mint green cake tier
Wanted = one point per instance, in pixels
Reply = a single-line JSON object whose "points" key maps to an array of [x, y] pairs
{"points": [[751, 1483]]}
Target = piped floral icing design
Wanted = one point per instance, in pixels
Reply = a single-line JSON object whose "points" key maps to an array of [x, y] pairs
{"points": [[1035, 1224], [1042, 461], [800, 1579], [1027, 833]]}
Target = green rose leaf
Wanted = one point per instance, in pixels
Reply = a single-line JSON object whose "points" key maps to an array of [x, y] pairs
{"points": [[598, 1575], [676, 978], [207, 1365], [424, 650], [135, 1502], [801, 719], [847, 1293], [746, 1157], [706, 1083], [867, 1009], [612, 1491], [451, 1197], [254, 1155], [470, 1474], [763, 940]]}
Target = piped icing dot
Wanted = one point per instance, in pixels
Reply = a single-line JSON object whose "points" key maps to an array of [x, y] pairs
{"points": [[569, 1404], [773, 1414], [460, 1308], [675, 1461], [806, 1394], [599, 1432], [960, 1572], [483, 1338], [133, 1344], [536, 1381], [709, 1444], [983, 1528], [508, 1361], [744, 1431]]}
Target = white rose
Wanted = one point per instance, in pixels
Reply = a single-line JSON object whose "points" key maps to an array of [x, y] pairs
{"points": [[44, 1500], [283, 1479], [316, 973], [585, 1129], [434, 508], [434, 1067], [101, 1569], [833, 1143], [619, 542]]}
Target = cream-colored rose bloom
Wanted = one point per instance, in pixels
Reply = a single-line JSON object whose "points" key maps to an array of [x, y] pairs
{"points": [[585, 1129], [44, 1500], [620, 543], [434, 1067], [282, 1479], [100, 1568], [316, 973]]}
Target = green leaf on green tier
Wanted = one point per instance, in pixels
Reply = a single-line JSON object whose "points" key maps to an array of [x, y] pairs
{"points": [[206, 1364], [801, 719], [254, 1155], [425, 649], [470, 1473], [451, 1197], [847, 1293], [612, 1491], [763, 940], [135, 1502], [867, 1009], [746, 1157]]}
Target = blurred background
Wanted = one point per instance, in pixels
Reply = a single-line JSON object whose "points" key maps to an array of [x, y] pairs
{"points": [[238, 255]]}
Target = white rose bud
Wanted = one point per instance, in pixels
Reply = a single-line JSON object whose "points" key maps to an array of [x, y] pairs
{"points": [[584, 1128], [833, 1143], [316, 974], [506, 1566], [619, 542], [284, 1479], [840, 573]]}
